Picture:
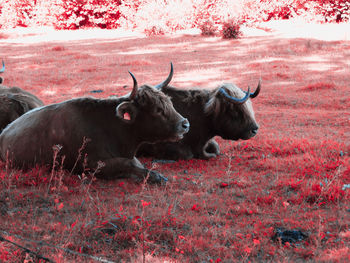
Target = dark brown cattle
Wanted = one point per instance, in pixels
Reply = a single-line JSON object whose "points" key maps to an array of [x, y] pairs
{"points": [[114, 127], [225, 111], [14, 102]]}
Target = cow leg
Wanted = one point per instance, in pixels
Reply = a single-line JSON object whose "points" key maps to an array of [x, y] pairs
{"points": [[210, 150], [212, 147], [176, 151], [167, 151], [123, 167]]}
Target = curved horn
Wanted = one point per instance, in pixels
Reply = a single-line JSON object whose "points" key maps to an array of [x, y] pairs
{"points": [[134, 89], [168, 79], [236, 100], [257, 91], [3, 67]]}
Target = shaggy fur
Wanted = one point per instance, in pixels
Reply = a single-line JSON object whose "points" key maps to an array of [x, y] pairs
{"points": [[218, 107], [210, 114], [148, 96], [213, 106]]}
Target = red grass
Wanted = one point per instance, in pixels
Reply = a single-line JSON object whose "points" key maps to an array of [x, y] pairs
{"points": [[319, 86], [291, 175]]}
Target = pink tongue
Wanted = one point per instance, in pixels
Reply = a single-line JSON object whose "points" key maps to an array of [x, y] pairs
{"points": [[126, 116]]}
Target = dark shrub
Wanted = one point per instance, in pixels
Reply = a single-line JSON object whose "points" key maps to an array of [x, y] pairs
{"points": [[208, 28], [231, 29]]}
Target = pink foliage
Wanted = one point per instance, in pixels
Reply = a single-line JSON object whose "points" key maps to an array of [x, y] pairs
{"points": [[157, 17], [88, 13]]}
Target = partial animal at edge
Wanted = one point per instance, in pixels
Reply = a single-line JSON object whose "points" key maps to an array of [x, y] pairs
{"points": [[14, 102]]}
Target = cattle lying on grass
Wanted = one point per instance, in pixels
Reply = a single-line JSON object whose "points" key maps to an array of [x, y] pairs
{"points": [[114, 129], [14, 102], [225, 111]]}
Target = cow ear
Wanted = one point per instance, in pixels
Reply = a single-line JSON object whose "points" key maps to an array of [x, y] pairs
{"points": [[24, 107], [126, 111], [21, 106]]}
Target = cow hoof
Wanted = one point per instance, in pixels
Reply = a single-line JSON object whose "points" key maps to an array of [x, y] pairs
{"points": [[156, 178], [212, 147]]}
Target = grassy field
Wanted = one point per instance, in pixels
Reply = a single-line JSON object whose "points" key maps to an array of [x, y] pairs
{"points": [[294, 174]]}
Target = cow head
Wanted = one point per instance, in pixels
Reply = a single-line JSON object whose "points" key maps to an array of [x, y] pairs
{"points": [[231, 112], [152, 114], [2, 70]]}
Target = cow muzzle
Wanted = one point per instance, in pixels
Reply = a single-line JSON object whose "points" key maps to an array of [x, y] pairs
{"points": [[254, 130], [250, 132], [182, 128]]}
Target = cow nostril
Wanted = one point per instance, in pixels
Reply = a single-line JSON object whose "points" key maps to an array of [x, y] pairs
{"points": [[255, 131], [185, 124]]}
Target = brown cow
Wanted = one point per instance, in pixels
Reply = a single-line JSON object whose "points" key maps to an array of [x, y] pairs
{"points": [[115, 129], [14, 102], [225, 111]]}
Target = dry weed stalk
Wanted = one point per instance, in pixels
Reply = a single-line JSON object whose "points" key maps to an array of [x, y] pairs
{"points": [[8, 172], [85, 142], [100, 165], [87, 185], [7, 164], [61, 173], [154, 166], [328, 184], [56, 149]]}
